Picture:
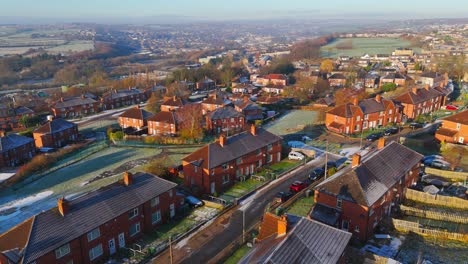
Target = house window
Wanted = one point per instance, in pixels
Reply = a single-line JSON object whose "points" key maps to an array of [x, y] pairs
{"points": [[371, 211], [259, 163], [95, 252], [170, 193], [93, 234], [366, 117], [339, 203], [458, 126], [62, 251], [356, 128], [238, 161], [390, 111], [269, 147], [345, 225], [225, 179], [134, 229], [270, 158], [358, 118], [259, 151], [133, 213], [356, 229], [225, 166], [156, 217], [155, 201]]}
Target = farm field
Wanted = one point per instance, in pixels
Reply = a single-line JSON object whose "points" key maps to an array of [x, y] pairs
{"points": [[360, 46], [293, 121]]}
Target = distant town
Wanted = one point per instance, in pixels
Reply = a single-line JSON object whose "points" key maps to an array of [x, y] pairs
{"points": [[234, 142]]}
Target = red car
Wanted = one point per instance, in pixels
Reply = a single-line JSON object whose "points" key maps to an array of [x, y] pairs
{"points": [[297, 186], [451, 107]]}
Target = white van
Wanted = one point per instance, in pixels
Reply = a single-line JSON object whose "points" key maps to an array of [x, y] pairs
{"points": [[294, 155]]}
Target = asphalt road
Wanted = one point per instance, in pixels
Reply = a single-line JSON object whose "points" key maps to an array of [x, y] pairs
{"points": [[206, 244]]}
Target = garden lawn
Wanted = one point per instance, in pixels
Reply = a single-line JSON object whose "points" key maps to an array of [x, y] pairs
{"points": [[292, 122], [242, 188], [238, 255], [301, 207]]}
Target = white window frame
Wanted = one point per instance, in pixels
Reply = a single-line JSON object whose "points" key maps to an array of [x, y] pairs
{"points": [[93, 254], [339, 203], [93, 234], [155, 201], [134, 212], [137, 229], [62, 251], [226, 179], [158, 219]]}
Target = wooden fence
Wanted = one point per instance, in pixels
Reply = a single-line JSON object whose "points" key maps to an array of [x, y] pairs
{"points": [[436, 215], [439, 200], [452, 175], [406, 226]]}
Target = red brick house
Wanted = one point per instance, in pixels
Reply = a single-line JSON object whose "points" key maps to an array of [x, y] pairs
{"points": [[275, 88], [10, 117], [337, 80], [396, 78], [215, 167], [206, 84], [454, 129], [358, 197], [15, 149], [369, 113], [421, 101], [163, 123], [172, 104], [214, 102], [94, 226], [118, 98], [75, 106], [55, 133], [272, 79], [249, 109], [225, 120], [135, 118], [434, 79]]}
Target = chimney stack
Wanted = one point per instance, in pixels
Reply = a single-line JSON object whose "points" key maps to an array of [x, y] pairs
{"points": [[356, 160], [137, 106], [253, 130], [2, 133], [63, 206], [282, 225], [381, 143], [61, 99], [415, 90], [222, 140], [378, 98], [174, 98], [128, 178], [50, 118], [355, 101], [427, 86]]}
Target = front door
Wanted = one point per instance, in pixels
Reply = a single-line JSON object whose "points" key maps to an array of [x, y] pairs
{"points": [[172, 209], [112, 246], [461, 139], [121, 240], [252, 168], [212, 188]]}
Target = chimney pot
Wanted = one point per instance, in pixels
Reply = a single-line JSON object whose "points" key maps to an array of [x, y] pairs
{"points": [[427, 86], [128, 178], [356, 160], [2, 133], [381, 143], [282, 225], [174, 98], [63, 206], [355, 101], [415, 90], [378, 98], [253, 130], [222, 140]]}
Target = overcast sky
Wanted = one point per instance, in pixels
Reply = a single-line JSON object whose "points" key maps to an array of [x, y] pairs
{"points": [[126, 10]]}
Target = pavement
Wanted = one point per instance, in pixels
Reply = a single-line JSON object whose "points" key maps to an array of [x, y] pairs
{"points": [[206, 243]]}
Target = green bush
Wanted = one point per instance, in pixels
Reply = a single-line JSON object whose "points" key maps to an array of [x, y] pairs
{"points": [[387, 87]]}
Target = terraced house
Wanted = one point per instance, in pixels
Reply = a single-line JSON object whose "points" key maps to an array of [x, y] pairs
{"points": [[94, 226], [226, 120], [55, 133], [163, 123], [420, 101], [454, 129], [135, 118], [10, 117], [215, 167], [118, 98], [75, 106], [362, 115], [358, 197], [15, 149]]}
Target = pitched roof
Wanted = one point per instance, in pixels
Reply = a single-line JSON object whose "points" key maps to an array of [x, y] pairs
{"points": [[366, 183], [339, 76], [395, 75], [54, 126], [420, 96], [168, 117], [447, 132], [371, 105], [136, 113], [13, 141], [461, 118], [213, 154], [325, 214], [311, 242], [224, 112], [275, 76], [174, 101], [50, 229], [432, 75], [345, 110], [215, 100], [74, 101], [121, 93]]}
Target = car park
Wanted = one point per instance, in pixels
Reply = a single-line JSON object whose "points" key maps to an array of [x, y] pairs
{"points": [[297, 186], [316, 174], [391, 131], [294, 155], [373, 137], [193, 201], [282, 197]]}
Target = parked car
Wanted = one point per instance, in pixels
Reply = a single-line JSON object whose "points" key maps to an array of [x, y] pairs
{"points": [[282, 197], [415, 125], [306, 138], [373, 137], [297, 186], [193, 201], [317, 174], [440, 164], [391, 131], [451, 108], [428, 159], [294, 155], [331, 164]]}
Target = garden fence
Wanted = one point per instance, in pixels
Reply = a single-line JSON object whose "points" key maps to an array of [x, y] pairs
{"points": [[436, 215], [439, 200], [406, 226], [452, 175]]}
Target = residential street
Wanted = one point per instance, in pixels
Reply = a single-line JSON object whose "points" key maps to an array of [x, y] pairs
{"points": [[204, 245]]}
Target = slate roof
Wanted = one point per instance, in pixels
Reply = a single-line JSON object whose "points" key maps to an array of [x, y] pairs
{"points": [[54, 126], [395, 75], [13, 141], [168, 117], [311, 242], [432, 75], [461, 118], [420, 96], [121, 93], [213, 155], [74, 101], [50, 229], [174, 102], [376, 174], [224, 112], [20, 110], [371, 105], [216, 100], [338, 76], [345, 110], [136, 113]]}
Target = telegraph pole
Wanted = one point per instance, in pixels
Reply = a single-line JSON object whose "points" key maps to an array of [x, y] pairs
{"points": [[326, 160]]}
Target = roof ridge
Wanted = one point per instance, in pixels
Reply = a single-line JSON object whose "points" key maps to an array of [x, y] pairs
{"points": [[29, 238]]}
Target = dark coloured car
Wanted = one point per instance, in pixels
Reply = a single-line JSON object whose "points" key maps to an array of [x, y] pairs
{"points": [[415, 125], [297, 186], [391, 131], [373, 137], [317, 174], [282, 197], [193, 202]]}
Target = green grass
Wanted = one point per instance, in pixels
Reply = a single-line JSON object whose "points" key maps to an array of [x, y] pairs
{"points": [[238, 255], [241, 188], [293, 121], [301, 206]]}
